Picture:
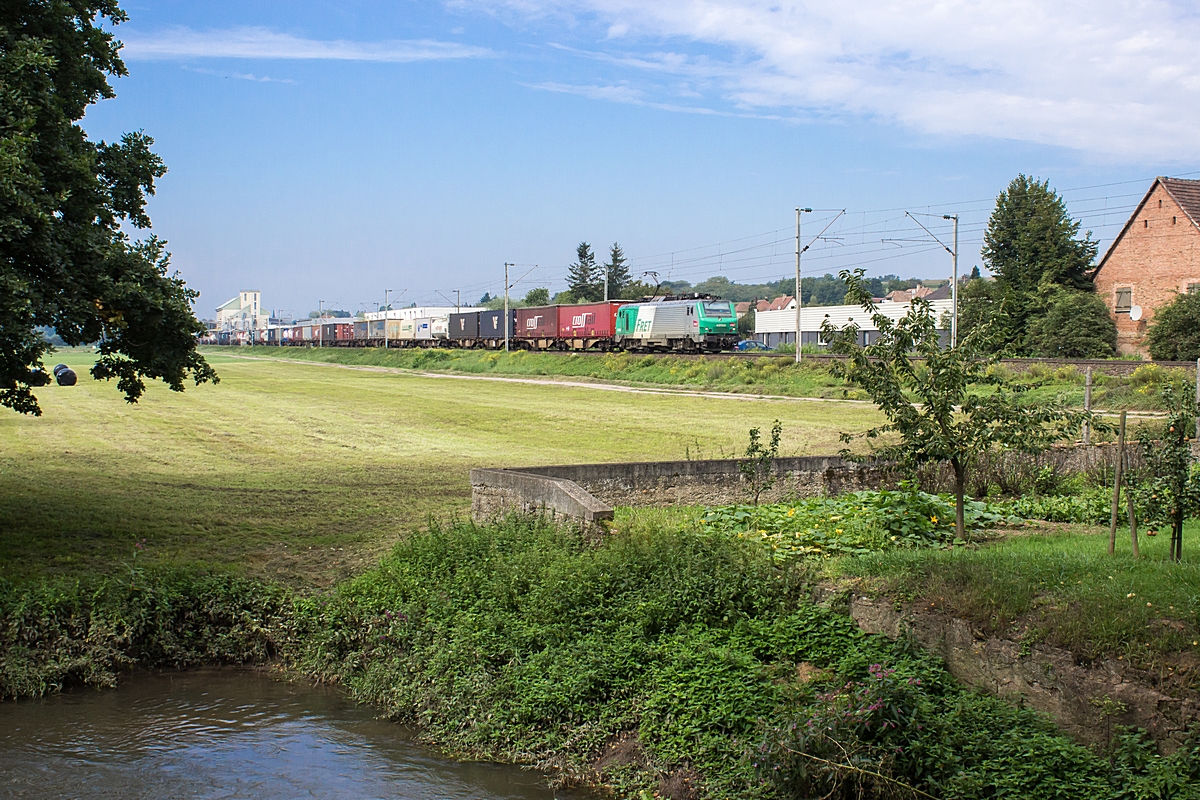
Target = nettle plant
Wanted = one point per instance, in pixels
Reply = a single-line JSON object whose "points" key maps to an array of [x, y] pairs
{"points": [[1171, 493], [943, 404]]}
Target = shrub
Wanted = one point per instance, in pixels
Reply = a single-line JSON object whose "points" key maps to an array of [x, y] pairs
{"points": [[1174, 333], [1074, 324]]}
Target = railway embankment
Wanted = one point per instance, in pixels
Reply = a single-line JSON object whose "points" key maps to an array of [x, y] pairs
{"points": [[1129, 385]]}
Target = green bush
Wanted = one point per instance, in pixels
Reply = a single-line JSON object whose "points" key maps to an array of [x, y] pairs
{"points": [[522, 642], [65, 632], [1072, 324], [1174, 333]]}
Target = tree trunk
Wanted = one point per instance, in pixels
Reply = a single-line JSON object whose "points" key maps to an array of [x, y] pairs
{"points": [[1132, 523], [960, 482], [1177, 534]]}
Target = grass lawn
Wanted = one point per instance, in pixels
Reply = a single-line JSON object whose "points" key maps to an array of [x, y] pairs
{"points": [[770, 375], [1061, 588], [308, 473]]}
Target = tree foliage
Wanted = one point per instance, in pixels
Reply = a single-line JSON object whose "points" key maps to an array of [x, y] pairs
{"points": [[617, 271], [1172, 493], [1174, 333], [537, 297], [584, 282], [1033, 248], [942, 405], [65, 261], [1072, 324]]}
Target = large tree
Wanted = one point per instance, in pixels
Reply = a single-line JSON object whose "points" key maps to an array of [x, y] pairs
{"points": [[617, 271], [65, 259], [583, 279], [1032, 246]]}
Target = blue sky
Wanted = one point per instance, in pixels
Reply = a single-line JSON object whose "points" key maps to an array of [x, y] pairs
{"points": [[328, 151]]}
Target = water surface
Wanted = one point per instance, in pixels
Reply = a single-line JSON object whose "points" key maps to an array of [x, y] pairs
{"points": [[230, 734]]}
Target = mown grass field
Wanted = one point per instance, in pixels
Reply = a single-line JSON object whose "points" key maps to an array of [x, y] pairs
{"points": [[308, 473], [763, 374]]}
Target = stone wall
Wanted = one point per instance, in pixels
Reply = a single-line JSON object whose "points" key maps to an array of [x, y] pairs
{"points": [[1048, 679]]}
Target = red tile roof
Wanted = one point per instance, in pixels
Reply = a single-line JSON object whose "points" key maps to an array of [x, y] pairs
{"points": [[1187, 194]]}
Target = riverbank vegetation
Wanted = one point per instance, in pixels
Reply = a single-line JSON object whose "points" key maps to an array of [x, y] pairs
{"points": [[679, 662], [769, 375]]}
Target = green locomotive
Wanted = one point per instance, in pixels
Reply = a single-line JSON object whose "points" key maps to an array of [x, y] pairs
{"points": [[677, 324]]}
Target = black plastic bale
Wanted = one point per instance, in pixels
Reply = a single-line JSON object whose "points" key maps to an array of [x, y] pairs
{"points": [[64, 375]]}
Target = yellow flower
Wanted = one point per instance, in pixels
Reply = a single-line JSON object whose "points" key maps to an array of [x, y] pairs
{"points": [[839, 530], [791, 512], [933, 520]]}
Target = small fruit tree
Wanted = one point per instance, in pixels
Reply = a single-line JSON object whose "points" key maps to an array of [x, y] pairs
{"points": [[1173, 488], [943, 404]]}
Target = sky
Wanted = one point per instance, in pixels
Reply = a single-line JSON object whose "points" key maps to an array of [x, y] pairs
{"points": [[325, 152]]}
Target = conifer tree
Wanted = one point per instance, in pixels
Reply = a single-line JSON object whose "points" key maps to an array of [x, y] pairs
{"points": [[582, 276], [617, 271], [1032, 247]]}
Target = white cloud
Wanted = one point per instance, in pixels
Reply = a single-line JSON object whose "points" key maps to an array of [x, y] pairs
{"points": [[241, 76], [1113, 77], [261, 43], [636, 97]]}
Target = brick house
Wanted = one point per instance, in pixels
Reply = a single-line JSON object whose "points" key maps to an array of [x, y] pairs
{"points": [[1155, 257]]}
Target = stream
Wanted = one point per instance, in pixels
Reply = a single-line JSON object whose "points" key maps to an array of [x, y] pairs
{"points": [[227, 733]]}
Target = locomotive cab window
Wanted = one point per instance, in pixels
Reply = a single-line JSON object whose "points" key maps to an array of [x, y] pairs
{"points": [[717, 310]]}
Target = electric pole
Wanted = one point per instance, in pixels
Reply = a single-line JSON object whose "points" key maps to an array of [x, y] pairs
{"points": [[799, 302], [506, 266], [954, 288], [386, 307], [320, 323]]}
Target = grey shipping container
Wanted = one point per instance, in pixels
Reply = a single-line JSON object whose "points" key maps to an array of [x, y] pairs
{"points": [[491, 324], [465, 325]]}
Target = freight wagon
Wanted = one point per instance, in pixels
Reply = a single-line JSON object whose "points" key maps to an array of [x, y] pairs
{"points": [[590, 326], [693, 324]]}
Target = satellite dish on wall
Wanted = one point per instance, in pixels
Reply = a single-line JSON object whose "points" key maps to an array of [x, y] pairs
{"points": [[1135, 313]]}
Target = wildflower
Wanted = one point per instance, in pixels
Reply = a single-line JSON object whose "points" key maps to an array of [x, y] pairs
{"points": [[791, 512], [1148, 605], [933, 520], [1131, 594]]}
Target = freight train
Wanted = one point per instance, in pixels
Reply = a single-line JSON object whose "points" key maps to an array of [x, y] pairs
{"points": [[694, 324]]}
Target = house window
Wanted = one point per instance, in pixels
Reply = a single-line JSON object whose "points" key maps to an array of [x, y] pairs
{"points": [[1193, 288], [1145, 223], [1124, 300]]}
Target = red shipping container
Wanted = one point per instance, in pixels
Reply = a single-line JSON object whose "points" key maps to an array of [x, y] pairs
{"points": [[536, 322], [590, 321]]}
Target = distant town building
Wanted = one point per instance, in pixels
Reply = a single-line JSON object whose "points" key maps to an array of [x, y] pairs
{"points": [[243, 314], [777, 327], [1154, 258]]}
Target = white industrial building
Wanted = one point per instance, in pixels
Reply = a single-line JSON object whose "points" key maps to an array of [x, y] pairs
{"points": [[773, 328], [243, 313]]}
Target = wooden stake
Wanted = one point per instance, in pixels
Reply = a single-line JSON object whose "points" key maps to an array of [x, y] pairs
{"points": [[1132, 524], [1087, 406], [1116, 503]]}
